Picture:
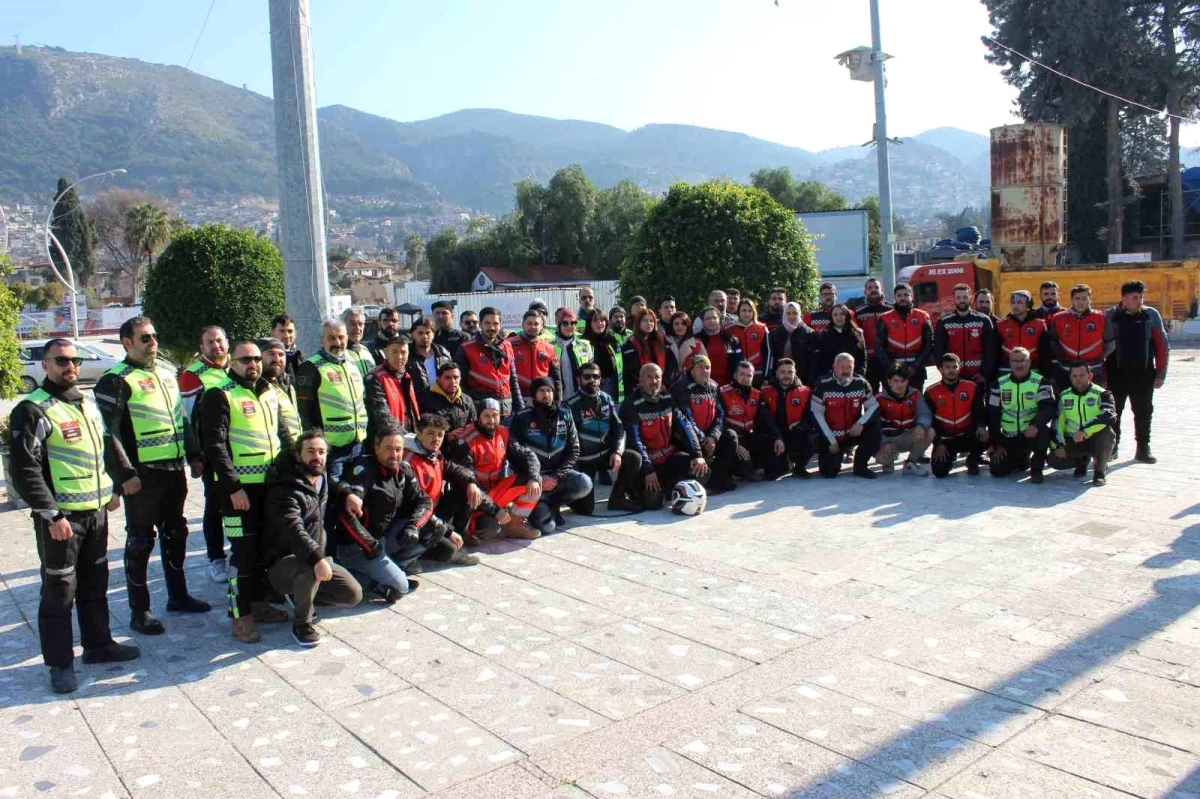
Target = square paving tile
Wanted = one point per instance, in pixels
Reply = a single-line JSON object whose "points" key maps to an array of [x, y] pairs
{"points": [[47, 748], [413, 652], [514, 708], [665, 655], [1003, 775], [798, 615], [1149, 707], [659, 772], [737, 635], [332, 675], [431, 744]]}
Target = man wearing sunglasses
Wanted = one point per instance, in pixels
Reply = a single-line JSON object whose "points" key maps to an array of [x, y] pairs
{"points": [[244, 432], [329, 395], [602, 443], [571, 351], [144, 415], [64, 467]]}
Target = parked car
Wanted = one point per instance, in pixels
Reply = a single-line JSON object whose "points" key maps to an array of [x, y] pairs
{"points": [[371, 311], [95, 363]]}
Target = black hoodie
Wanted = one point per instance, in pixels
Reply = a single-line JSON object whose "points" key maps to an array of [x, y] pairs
{"points": [[296, 512]]}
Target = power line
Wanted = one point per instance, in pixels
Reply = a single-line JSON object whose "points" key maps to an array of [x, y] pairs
{"points": [[1048, 68], [200, 35]]}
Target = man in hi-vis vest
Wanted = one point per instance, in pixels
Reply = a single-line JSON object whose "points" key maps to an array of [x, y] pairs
{"points": [[64, 467], [330, 394]]}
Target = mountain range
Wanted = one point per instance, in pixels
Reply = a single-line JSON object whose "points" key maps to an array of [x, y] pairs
{"points": [[69, 113]]}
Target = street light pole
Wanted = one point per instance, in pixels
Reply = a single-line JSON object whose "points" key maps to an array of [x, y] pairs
{"points": [[881, 153], [69, 281]]}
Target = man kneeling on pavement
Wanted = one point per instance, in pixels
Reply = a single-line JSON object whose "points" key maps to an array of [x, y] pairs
{"points": [[664, 438], [1020, 411], [548, 430]]}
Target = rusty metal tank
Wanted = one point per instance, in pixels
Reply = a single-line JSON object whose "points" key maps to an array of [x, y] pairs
{"points": [[1029, 193]]}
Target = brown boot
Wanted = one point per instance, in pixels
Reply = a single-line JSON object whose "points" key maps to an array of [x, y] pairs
{"points": [[265, 614], [519, 528], [245, 629]]}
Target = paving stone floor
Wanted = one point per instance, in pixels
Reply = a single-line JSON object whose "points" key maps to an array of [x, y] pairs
{"points": [[956, 638]]}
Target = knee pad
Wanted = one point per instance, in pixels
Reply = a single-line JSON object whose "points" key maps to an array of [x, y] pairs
{"points": [[139, 545]]}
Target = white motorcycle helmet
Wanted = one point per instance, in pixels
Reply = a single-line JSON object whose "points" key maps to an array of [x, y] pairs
{"points": [[688, 498]]}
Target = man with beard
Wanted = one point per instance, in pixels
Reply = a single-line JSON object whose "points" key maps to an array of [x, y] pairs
{"points": [[65, 465], [969, 335], [356, 351], [786, 398], [1084, 426], [602, 443], [389, 328], [846, 415], [1021, 329], [720, 301], [547, 428], [274, 356], [143, 415], [447, 399], [329, 395], [776, 301], [587, 303], [425, 355], [904, 335], [444, 333], [1080, 334], [759, 443], [243, 434], [1021, 409], [283, 327], [297, 492], [1048, 295], [867, 316], [388, 392], [984, 303], [906, 424], [439, 539], [820, 319], [697, 402], [509, 472], [208, 371], [665, 440], [534, 356], [959, 420], [619, 324], [487, 364]]}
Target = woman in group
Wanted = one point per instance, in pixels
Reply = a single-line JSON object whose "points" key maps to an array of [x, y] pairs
{"points": [[752, 335], [607, 354], [681, 347], [645, 346], [792, 339], [722, 349], [842, 335]]}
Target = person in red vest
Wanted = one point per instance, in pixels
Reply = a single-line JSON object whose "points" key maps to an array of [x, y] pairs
{"points": [[722, 348], [1080, 334], [906, 423], [505, 469], [488, 366], [534, 356], [904, 335], [667, 443], [759, 444], [776, 301], [867, 317], [751, 335], [846, 415], [959, 419], [389, 393], [968, 334], [819, 319], [1021, 329], [786, 399], [697, 398], [646, 345]]}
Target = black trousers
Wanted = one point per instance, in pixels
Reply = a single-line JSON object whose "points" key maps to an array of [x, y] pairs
{"points": [[157, 507], [1137, 387], [1098, 448], [247, 568], [1020, 452], [723, 461], [865, 444], [677, 467], [800, 446], [627, 475], [874, 374], [966, 444], [74, 572], [214, 535], [762, 456]]}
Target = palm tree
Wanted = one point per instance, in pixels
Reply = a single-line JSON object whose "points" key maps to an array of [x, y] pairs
{"points": [[147, 228]]}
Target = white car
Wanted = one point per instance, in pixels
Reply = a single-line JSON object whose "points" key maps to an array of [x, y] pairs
{"points": [[95, 363], [371, 311]]}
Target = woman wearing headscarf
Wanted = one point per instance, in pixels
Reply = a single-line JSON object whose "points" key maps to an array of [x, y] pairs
{"points": [[792, 339]]}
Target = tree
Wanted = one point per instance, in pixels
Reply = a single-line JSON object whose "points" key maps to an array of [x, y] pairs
{"points": [[147, 228], [214, 275], [806, 197], [414, 255], [439, 248], [22, 292], [48, 295], [110, 215], [70, 226], [875, 229], [10, 317], [619, 212], [716, 234], [969, 216]]}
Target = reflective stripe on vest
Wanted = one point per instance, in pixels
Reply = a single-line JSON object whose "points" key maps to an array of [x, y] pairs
{"points": [[210, 376], [287, 411], [795, 400], [75, 451], [340, 398], [1077, 411], [740, 411], [898, 413], [965, 339], [533, 359], [1081, 337], [156, 410], [484, 376], [488, 455], [1018, 402], [904, 334], [952, 406], [253, 431]]}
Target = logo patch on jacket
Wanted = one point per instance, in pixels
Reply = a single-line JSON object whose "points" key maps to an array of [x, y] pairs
{"points": [[72, 432], [796, 401], [249, 408], [1029, 330], [974, 332], [1090, 327], [334, 377], [146, 384], [962, 395], [1090, 401], [1006, 395]]}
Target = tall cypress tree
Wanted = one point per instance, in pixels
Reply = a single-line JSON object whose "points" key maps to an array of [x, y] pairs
{"points": [[72, 230]]}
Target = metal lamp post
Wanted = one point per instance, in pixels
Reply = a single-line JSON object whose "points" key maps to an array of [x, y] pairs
{"points": [[69, 281]]}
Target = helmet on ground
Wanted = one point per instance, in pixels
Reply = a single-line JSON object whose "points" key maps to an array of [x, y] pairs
{"points": [[688, 498]]}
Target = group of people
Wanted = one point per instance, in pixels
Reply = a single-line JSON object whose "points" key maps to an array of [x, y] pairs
{"points": [[333, 476]]}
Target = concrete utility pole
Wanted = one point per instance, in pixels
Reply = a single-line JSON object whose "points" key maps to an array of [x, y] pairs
{"points": [[881, 153], [301, 200]]}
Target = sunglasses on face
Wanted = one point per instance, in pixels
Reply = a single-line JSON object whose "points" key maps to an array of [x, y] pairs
{"points": [[62, 361], [249, 359], [568, 323], [146, 338], [591, 377]]}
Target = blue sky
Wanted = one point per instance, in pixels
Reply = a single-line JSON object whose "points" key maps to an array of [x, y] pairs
{"points": [[743, 65]]}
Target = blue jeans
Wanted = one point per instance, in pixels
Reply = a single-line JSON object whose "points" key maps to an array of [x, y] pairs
{"points": [[339, 456], [372, 572], [573, 486]]}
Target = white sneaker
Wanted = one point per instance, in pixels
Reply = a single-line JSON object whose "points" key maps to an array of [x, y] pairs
{"points": [[916, 469], [218, 570]]}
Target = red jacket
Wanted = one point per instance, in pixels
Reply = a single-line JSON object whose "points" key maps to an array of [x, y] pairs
{"points": [[740, 411], [1015, 333], [1079, 338], [818, 320], [837, 408], [904, 335], [866, 316], [724, 351], [753, 340], [957, 409], [534, 359], [897, 414], [972, 338], [488, 455], [486, 375], [789, 405]]}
